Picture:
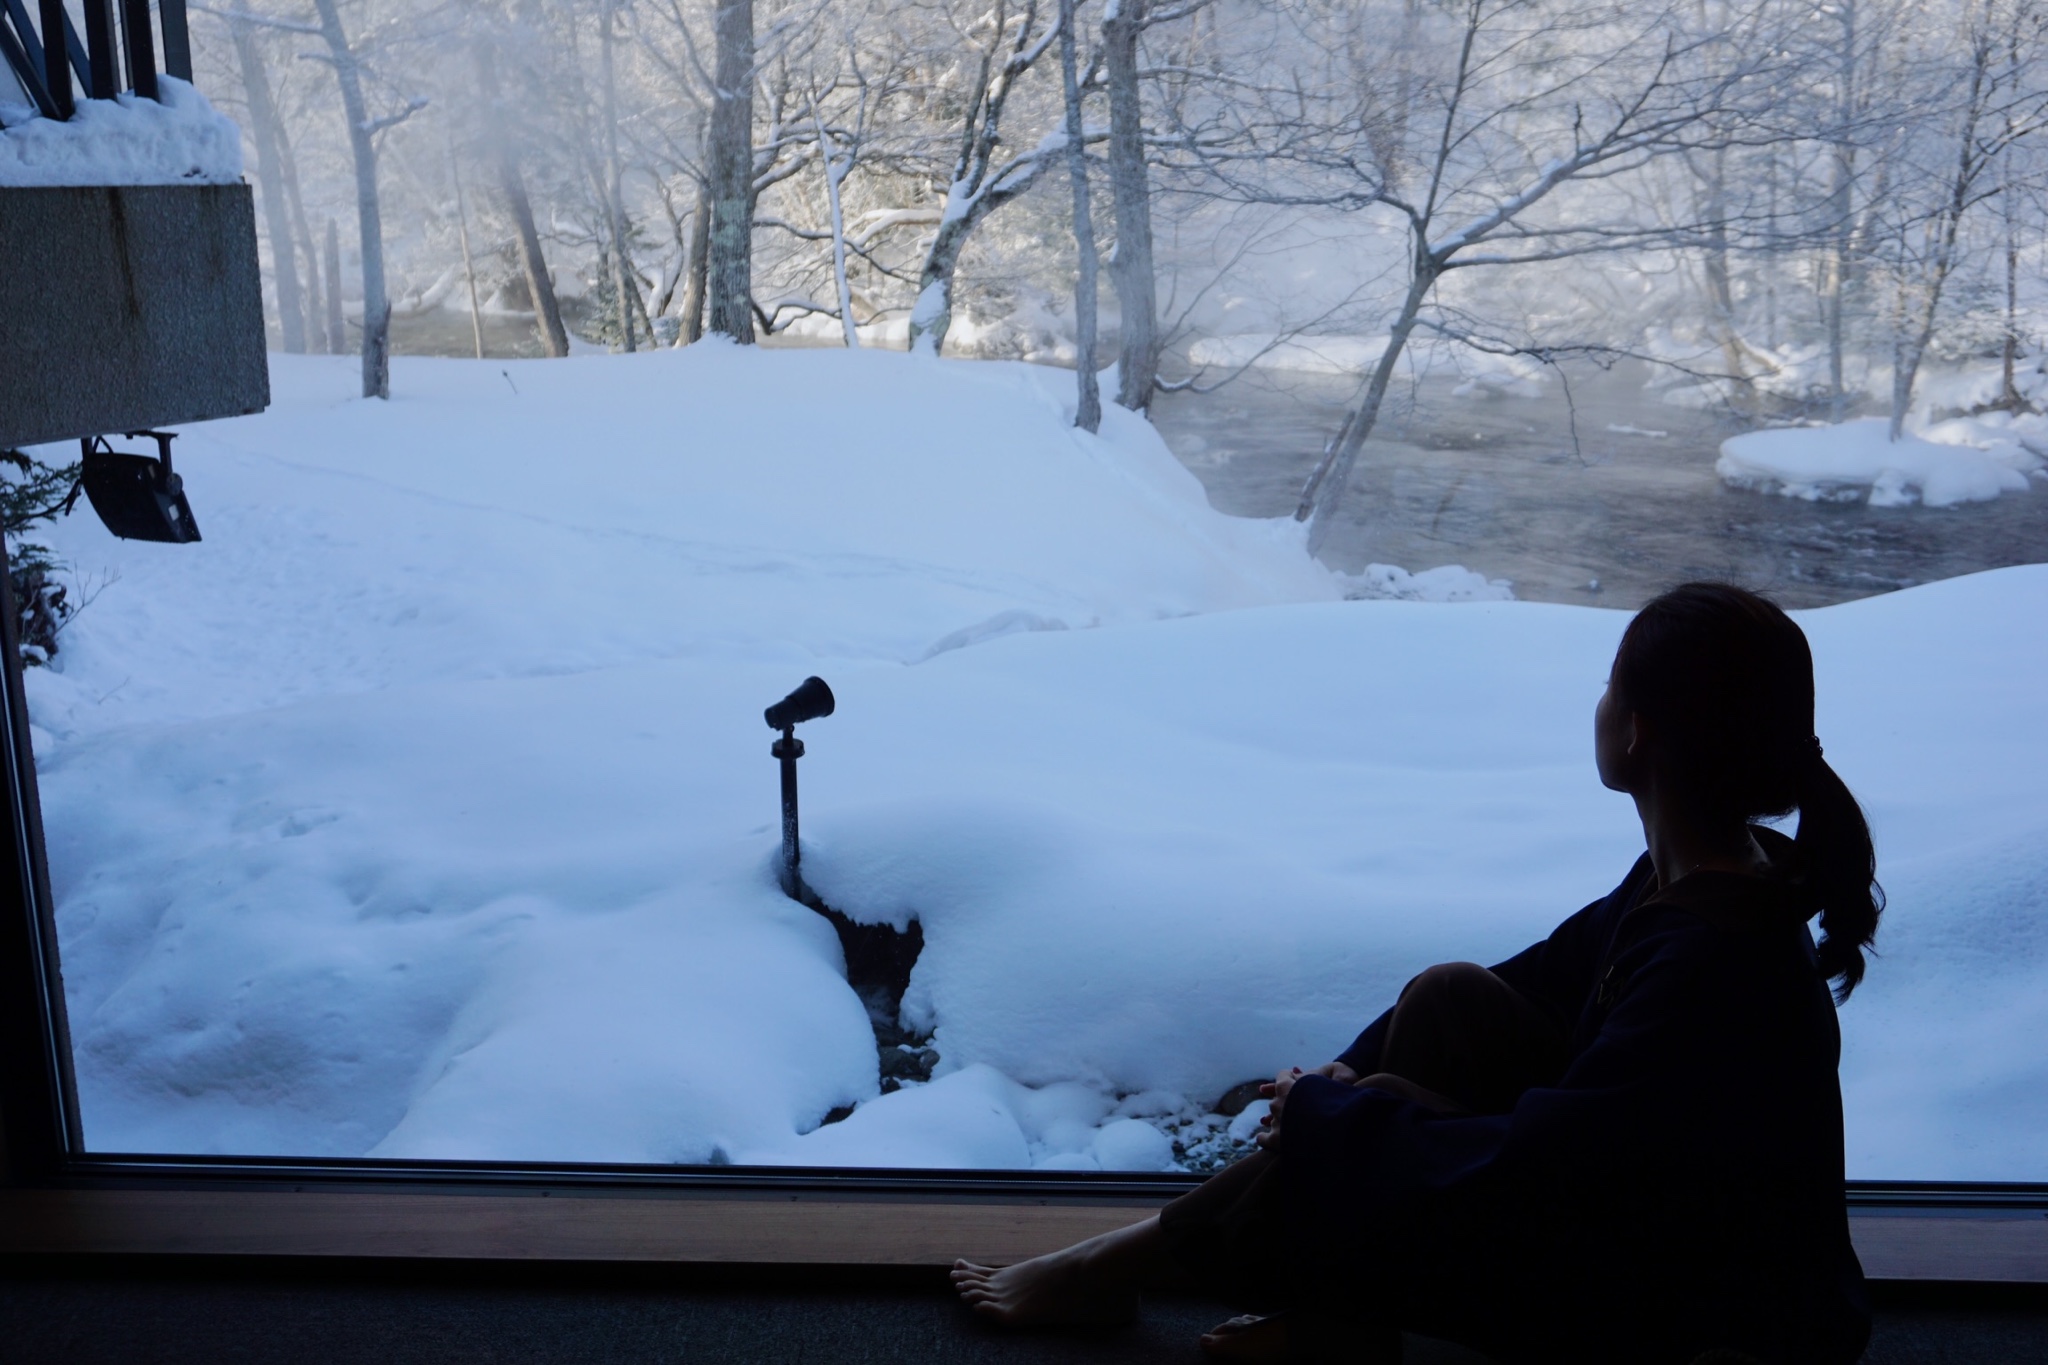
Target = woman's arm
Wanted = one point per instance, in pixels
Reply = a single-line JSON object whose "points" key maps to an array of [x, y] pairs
{"points": [[1557, 973]]}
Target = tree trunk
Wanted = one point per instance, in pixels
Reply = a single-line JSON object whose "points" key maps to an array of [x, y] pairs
{"points": [[1719, 277], [1130, 267], [1770, 259], [1088, 405], [476, 317], [834, 172], [614, 200], [931, 316], [291, 316], [2009, 395], [337, 329], [533, 266], [729, 271], [1911, 347], [369, 213], [302, 226], [1834, 277], [978, 187], [1326, 486], [700, 255], [1970, 164]]}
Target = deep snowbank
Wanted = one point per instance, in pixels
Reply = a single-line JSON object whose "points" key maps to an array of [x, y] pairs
{"points": [[179, 139], [522, 518], [1857, 461], [425, 808]]}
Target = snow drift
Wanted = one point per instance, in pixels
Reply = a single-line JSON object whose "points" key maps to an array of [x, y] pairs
{"points": [[424, 809]]}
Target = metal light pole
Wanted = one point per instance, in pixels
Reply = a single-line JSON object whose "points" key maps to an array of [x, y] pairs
{"points": [[811, 700]]}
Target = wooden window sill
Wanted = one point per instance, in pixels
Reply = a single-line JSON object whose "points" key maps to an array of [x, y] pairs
{"points": [[768, 1229]]}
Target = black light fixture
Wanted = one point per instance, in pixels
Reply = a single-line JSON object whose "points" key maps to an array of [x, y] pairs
{"points": [[811, 700], [139, 497]]}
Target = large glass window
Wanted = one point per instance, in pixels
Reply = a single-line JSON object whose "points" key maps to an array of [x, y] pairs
{"points": [[424, 808]]}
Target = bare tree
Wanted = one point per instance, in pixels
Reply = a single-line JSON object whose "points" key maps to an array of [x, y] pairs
{"points": [[337, 331], [1088, 403], [729, 265], [624, 292], [1503, 147], [1130, 266], [362, 136], [264, 131], [533, 266], [835, 166], [698, 268], [982, 181], [1842, 186], [1992, 106]]}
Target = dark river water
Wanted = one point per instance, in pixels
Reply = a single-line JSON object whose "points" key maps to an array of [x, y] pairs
{"points": [[1499, 485]]}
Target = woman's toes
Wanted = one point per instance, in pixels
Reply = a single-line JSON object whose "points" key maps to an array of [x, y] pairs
{"points": [[1247, 1338], [1236, 1324]]}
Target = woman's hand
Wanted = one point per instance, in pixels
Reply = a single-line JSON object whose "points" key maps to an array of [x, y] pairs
{"points": [[1276, 1090]]}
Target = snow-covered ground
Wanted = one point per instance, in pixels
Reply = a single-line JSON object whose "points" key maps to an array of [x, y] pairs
{"points": [[1958, 461], [179, 139], [425, 809]]}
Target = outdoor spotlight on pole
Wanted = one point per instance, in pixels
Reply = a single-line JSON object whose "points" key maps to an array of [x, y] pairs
{"points": [[811, 700]]}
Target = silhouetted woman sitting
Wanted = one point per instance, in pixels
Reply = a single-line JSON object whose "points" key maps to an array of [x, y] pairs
{"points": [[1623, 1144]]}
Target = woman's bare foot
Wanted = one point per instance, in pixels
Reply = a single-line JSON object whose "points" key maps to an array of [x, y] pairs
{"points": [[1250, 1339], [1090, 1284], [1055, 1290]]}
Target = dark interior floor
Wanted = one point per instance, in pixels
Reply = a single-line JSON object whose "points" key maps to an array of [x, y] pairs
{"points": [[250, 1314]]}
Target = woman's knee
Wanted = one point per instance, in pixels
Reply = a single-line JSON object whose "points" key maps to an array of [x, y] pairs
{"points": [[1449, 981]]}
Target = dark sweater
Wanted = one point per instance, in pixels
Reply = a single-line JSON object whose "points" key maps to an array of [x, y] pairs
{"points": [[1680, 1188]]}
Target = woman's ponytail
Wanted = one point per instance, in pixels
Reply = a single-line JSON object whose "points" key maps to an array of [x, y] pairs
{"points": [[1839, 867], [1728, 678]]}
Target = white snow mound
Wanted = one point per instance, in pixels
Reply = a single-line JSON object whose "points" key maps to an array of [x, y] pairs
{"points": [[1445, 583], [1857, 461]]}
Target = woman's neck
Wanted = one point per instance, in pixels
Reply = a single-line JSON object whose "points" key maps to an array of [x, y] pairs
{"points": [[1681, 844]]}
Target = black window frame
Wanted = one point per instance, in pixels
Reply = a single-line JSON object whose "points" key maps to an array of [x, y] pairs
{"points": [[42, 1139]]}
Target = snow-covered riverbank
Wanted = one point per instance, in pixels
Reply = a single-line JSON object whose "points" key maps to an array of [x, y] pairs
{"points": [[425, 809]]}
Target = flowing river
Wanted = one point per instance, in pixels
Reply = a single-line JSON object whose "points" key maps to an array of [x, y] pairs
{"points": [[1631, 506]]}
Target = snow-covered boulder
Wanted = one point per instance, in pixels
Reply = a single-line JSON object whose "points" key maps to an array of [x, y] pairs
{"points": [[1857, 461]]}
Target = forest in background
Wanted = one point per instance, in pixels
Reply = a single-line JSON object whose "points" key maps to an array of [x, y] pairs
{"points": [[1799, 205]]}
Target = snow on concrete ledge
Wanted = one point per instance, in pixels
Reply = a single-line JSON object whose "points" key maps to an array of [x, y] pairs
{"points": [[1856, 462], [128, 140]]}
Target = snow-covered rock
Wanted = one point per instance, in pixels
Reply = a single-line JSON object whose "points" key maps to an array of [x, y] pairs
{"points": [[1857, 461], [1445, 583]]}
